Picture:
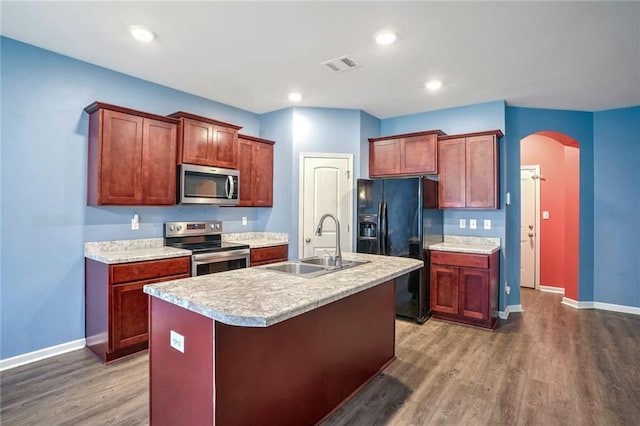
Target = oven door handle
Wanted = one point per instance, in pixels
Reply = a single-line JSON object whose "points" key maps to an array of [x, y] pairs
{"points": [[230, 187], [220, 256]]}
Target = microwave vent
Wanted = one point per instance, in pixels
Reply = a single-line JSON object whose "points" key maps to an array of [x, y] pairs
{"points": [[341, 64]]}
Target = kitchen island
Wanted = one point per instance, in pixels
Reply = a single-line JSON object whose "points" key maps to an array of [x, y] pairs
{"points": [[255, 346]]}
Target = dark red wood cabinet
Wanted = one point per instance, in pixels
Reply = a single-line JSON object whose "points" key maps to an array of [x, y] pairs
{"points": [[206, 142], [132, 156], [266, 255], [255, 164], [410, 154], [116, 307], [468, 170], [465, 287]]}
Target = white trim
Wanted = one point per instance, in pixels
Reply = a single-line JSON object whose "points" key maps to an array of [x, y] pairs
{"points": [[510, 308], [550, 289], [577, 305], [41, 354], [329, 155], [617, 308]]}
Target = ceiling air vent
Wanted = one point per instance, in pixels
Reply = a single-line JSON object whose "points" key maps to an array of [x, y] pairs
{"points": [[341, 64]]}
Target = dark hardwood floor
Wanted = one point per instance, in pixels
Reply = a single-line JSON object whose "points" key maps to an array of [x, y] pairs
{"points": [[550, 365]]}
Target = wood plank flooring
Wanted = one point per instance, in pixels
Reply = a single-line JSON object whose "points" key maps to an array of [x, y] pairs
{"points": [[551, 365]]}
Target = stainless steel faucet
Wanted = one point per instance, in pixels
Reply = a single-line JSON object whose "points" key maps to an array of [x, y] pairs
{"points": [[338, 256]]}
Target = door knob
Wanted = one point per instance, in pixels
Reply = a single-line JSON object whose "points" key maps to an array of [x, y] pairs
{"points": [[531, 227], [530, 234], [307, 240]]}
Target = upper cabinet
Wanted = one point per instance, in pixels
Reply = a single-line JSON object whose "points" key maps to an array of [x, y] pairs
{"points": [[132, 157], [410, 154], [256, 171], [206, 142], [468, 170]]}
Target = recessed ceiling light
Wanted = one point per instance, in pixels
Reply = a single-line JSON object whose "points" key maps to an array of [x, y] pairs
{"points": [[385, 38], [433, 84], [295, 97], [141, 33]]}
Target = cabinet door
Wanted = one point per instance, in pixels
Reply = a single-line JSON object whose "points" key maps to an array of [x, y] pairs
{"points": [[419, 155], [444, 289], [159, 146], [225, 147], [263, 172], [266, 255], [247, 172], [384, 157], [451, 157], [474, 293], [121, 156], [482, 172], [129, 313], [196, 146]]}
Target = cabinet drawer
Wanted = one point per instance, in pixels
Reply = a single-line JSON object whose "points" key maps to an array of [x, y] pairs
{"points": [[269, 253], [139, 271], [460, 259]]}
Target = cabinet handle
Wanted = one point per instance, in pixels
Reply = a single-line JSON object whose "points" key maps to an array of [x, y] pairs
{"points": [[307, 240]]}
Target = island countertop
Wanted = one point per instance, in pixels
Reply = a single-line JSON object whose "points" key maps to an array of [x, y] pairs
{"points": [[258, 297]]}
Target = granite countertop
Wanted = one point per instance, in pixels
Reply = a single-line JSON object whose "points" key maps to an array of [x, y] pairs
{"points": [[474, 245], [125, 251], [258, 297], [257, 239]]}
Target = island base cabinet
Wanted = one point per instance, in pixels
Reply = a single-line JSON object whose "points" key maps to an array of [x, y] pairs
{"points": [[291, 373]]}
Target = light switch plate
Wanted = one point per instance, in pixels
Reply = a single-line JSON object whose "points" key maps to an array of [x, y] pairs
{"points": [[545, 214], [473, 224], [487, 224], [244, 220], [463, 223], [177, 341]]}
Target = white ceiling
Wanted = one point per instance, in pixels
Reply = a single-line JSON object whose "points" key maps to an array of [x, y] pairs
{"points": [[558, 55]]}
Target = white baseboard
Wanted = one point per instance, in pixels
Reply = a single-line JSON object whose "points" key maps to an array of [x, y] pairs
{"points": [[510, 308], [550, 289], [602, 306], [40, 354]]}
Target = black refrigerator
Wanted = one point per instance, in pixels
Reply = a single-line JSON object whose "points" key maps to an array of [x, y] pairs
{"points": [[396, 217]]}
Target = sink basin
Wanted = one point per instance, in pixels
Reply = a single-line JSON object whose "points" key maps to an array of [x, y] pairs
{"points": [[295, 268], [311, 267], [330, 262]]}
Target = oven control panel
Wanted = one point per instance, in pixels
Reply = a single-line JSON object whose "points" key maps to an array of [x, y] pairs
{"points": [[180, 229]]}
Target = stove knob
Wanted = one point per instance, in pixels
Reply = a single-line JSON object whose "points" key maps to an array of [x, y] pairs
{"points": [[212, 226], [172, 228], [179, 228]]}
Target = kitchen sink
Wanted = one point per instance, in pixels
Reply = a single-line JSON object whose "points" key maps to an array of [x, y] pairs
{"points": [[295, 268], [312, 267]]}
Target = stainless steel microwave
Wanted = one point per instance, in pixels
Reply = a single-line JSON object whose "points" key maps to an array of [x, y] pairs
{"points": [[208, 185]]}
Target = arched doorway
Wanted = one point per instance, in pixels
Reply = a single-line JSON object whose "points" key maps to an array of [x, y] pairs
{"points": [[550, 221]]}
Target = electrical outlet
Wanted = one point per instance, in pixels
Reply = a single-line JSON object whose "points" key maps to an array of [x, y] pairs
{"points": [[135, 222], [507, 289], [473, 224], [244, 220], [545, 214], [487, 224], [463, 223], [176, 341]]}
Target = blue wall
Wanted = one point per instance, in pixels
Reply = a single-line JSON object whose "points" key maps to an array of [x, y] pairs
{"points": [[522, 122], [466, 119], [616, 190], [45, 219]]}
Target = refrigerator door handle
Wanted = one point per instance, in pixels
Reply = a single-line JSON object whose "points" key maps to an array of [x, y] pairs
{"points": [[385, 223], [379, 224]]}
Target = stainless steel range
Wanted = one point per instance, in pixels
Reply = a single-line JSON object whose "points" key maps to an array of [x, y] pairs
{"points": [[204, 239]]}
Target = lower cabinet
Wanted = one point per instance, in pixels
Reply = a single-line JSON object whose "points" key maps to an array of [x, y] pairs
{"points": [[465, 287], [266, 255], [116, 307]]}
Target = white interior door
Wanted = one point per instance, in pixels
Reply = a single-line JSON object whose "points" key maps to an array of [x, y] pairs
{"points": [[529, 247], [325, 187]]}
